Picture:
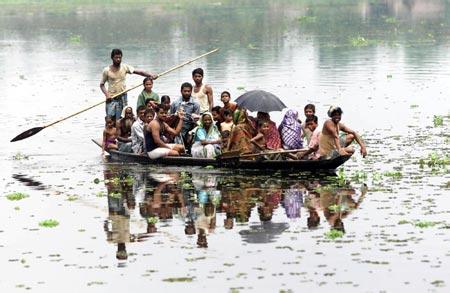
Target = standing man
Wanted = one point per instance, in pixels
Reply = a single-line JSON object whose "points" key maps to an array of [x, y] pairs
{"points": [[202, 93], [114, 75], [189, 106]]}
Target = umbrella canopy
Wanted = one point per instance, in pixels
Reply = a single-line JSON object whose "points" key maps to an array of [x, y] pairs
{"points": [[260, 101]]}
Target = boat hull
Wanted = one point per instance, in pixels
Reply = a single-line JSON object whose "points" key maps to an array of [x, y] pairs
{"points": [[298, 165]]}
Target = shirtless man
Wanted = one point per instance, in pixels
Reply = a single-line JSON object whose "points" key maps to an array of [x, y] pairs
{"points": [[330, 144], [154, 144], [114, 75], [202, 93]]}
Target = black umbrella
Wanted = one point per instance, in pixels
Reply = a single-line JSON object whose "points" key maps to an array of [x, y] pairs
{"points": [[260, 101]]}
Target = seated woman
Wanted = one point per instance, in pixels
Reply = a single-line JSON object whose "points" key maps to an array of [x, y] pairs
{"points": [[242, 133], [273, 136], [207, 139], [291, 131]]}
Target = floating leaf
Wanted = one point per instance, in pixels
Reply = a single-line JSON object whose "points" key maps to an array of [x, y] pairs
{"points": [[16, 196], [50, 223]]}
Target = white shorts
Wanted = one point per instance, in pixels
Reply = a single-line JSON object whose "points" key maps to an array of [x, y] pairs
{"points": [[161, 152]]}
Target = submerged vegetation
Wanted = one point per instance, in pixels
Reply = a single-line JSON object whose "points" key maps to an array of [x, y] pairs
{"points": [[16, 196], [50, 223], [334, 234]]}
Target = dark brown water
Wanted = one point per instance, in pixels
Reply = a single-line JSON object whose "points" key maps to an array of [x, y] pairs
{"points": [[385, 63]]}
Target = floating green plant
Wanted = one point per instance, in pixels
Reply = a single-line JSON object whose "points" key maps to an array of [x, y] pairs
{"points": [[335, 208], [19, 156], [209, 167], [96, 181], [390, 20], [334, 234], [438, 120], [181, 279], [307, 19], [115, 194], [16, 196], [240, 88], [50, 223], [75, 39], [72, 198], [402, 222], [425, 224], [359, 42], [152, 220], [393, 174]]}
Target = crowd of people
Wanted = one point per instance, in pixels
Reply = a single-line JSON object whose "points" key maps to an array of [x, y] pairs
{"points": [[192, 126]]}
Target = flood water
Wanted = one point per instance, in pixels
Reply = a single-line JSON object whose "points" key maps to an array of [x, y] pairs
{"points": [[379, 224]]}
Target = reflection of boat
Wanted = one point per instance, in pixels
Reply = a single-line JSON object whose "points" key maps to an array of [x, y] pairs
{"points": [[300, 165]]}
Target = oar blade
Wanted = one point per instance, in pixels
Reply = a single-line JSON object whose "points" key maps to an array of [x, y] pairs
{"points": [[28, 133]]}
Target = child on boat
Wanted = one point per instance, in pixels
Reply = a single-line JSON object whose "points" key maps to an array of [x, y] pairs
{"points": [[109, 135], [259, 141], [217, 117], [225, 98], [310, 111], [227, 124], [147, 94]]}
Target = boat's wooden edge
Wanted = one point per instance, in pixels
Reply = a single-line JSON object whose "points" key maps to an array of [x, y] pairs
{"points": [[303, 165]]}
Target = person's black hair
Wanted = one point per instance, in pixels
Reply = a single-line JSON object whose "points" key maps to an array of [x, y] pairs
{"points": [[115, 52], [227, 112], [261, 123], [164, 98], [197, 71], [158, 107], [225, 92], [186, 84], [147, 79], [110, 117], [141, 107], [310, 106], [149, 111], [216, 109], [334, 110], [312, 118]]}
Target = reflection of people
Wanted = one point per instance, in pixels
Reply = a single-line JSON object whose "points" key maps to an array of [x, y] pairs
{"points": [[120, 201]]}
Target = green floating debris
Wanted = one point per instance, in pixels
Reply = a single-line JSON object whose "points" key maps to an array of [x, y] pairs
{"points": [[240, 88], [50, 223], [152, 220], [16, 196], [438, 120], [209, 167], [75, 39], [96, 181], [425, 224], [307, 19], [72, 197], [19, 156], [182, 279], [334, 234]]}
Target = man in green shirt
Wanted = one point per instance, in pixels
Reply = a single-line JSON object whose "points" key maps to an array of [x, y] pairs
{"points": [[147, 94]]}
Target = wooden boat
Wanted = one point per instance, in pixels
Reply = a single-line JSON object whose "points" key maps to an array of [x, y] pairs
{"points": [[297, 165]]}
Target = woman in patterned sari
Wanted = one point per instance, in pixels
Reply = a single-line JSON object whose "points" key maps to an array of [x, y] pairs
{"points": [[241, 133], [207, 139]]}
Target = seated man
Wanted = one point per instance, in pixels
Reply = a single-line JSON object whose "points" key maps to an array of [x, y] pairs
{"points": [[155, 130], [137, 131], [187, 104], [330, 144]]}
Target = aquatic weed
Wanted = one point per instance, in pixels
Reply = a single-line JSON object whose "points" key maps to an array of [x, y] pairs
{"points": [[181, 279], [152, 220], [393, 174], [438, 120], [96, 181], [390, 20], [72, 197], [75, 39], [425, 224], [306, 19], [115, 194], [16, 196], [334, 234], [19, 156], [50, 223]]}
